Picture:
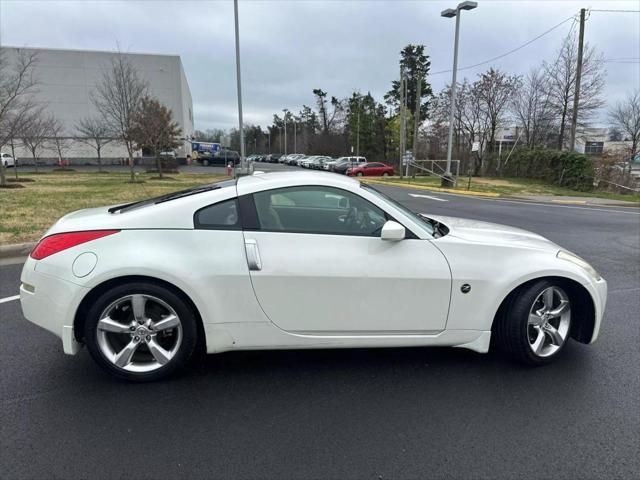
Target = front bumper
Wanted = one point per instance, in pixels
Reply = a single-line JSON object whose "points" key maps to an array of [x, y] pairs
{"points": [[51, 303], [598, 290]]}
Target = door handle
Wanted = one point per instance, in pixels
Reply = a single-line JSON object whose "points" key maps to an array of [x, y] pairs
{"points": [[253, 254]]}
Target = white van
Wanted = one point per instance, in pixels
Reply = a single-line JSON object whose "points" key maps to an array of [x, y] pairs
{"points": [[7, 160]]}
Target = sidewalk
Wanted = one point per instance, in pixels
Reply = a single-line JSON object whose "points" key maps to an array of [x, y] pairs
{"points": [[552, 199], [595, 201]]}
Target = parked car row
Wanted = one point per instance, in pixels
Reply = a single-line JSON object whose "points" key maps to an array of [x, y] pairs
{"points": [[352, 166]]}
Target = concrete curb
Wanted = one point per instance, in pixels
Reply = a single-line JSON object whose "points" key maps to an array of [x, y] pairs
{"points": [[17, 250], [471, 193]]}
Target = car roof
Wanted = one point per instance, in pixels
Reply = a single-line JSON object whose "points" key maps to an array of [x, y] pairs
{"points": [[270, 180]]}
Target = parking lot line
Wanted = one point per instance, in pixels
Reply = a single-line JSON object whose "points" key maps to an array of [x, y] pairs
{"points": [[9, 299]]}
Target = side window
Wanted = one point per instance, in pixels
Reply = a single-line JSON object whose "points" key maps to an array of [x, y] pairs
{"points": [[317, 209], [219, 216]]}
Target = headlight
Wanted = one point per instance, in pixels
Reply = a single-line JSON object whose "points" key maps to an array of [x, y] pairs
{"points": [[570, 257]]}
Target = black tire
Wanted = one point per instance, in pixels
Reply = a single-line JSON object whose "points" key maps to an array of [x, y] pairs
{"points": [[511, 327], [205, 163], [182, 309], [385, 174]]}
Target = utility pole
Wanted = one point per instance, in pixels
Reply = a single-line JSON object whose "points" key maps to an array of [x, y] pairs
{"points": [[295, 136], [402, 123], [576, 96], [239, 83], [416, 119]]}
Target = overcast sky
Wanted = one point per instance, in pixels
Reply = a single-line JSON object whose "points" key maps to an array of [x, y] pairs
{"points": [[290, 47]]}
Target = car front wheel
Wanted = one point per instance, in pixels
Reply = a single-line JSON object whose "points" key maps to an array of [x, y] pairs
{"points": [[141, 331], [535, 326]]}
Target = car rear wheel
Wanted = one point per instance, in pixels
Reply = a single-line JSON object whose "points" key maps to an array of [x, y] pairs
{"points": [[141, 332], [535, 326], [205, 162], [385, 174]]}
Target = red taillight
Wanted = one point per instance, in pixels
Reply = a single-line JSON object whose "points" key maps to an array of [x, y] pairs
{"points": [[61, 241]]}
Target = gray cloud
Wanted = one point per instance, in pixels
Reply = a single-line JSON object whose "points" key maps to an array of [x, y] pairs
{"points": [[290, 47]]}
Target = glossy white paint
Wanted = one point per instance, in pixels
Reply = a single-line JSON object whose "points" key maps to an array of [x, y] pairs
{"points": [[310, 290]]}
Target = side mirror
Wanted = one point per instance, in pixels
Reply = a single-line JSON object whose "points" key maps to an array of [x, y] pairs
{"points": [[392, 231]]}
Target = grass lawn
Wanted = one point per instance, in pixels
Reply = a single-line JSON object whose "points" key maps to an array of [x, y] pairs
{"points": [[26, 213], [516, 187]]}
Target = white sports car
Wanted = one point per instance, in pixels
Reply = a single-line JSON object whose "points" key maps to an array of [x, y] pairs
{"points": [[299, 260]]}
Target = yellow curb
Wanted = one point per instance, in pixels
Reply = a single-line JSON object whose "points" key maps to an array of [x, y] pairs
{"points": [[573, 202], [433, 189]]}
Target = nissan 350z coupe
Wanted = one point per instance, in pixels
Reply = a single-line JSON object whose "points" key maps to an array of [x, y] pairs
{"points": [[299, 260]]}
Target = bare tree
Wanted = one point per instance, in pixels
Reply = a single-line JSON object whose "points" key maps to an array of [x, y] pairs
{"points": [[625, 116], [533, 109], [475, 121], [495, 90], [153, 128], [562, 84], [58, 138], [17, 86], [118, 97], [95, 132], [35, 135]]}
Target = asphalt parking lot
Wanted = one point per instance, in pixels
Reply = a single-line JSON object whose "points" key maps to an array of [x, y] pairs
{"points": [[389, 413]]}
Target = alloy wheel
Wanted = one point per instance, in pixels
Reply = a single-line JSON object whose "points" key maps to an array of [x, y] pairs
{"points": [[549, 321], [139, 333]]}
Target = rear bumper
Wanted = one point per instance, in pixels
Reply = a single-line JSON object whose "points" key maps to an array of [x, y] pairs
{"points": [[51, 303]]}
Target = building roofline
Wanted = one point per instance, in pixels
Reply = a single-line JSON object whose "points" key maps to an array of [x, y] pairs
{"points": [[82, 50]]}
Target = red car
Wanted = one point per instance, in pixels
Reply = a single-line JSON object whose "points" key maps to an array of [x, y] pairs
{"points": [[373, 169]]}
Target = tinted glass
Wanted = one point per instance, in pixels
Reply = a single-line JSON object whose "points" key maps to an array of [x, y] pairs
{"points": [[312, 209], [223, 215]]}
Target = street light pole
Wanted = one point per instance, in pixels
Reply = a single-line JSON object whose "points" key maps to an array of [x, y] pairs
{"points": [[447, 180], [285, 132], [358, 134], [239, 83]]}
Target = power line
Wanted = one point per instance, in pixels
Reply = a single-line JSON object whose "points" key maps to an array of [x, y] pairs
{"points": [[615, 11], [572, 17]]}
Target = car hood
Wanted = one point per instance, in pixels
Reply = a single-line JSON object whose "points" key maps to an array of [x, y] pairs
{"points": [[476, 231]]}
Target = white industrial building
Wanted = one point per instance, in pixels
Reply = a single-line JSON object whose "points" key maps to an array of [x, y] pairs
{"points": [[66, 82]]}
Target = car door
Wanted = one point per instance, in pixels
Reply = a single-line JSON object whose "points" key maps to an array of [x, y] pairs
{"points": [[374, 169], [318, 265]]}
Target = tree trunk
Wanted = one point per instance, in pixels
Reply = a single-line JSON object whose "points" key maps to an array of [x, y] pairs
{"points": [[158, 164], [15, 161], [130, 153], [3, 179], [35, 159], [562, 122], [99, 160]]}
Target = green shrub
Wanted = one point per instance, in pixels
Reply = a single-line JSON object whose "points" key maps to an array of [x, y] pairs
{"points": [[567, 169]]}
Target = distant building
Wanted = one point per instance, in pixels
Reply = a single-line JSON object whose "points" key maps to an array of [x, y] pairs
{"points": [[67, 79]]}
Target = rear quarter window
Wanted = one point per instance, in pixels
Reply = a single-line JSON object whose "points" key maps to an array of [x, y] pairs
{"points": [[224, 215]]}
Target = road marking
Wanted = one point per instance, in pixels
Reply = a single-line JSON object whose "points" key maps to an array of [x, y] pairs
{"points": [[427, 196], [9, 299]]}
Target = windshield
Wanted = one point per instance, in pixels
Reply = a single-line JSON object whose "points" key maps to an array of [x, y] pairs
{"points": [[172, 196], [425, 222]]}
